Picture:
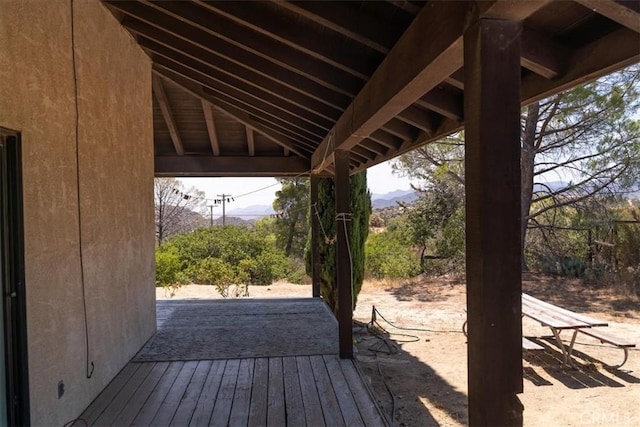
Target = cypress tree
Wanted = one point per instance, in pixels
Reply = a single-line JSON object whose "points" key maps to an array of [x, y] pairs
{"points": [[358, 232]]}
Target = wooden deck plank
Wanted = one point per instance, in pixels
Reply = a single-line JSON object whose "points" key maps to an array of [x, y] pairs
{"points": [[172, 400], [275, 402], [93, 412], [206, 401], [330, 407], [347, 404], [258, 407], [137, 401], [292, 393], [311, 400], [224, 400], [364, 400], [153, 403], [118, 403], [190, 398], [242, 396]]}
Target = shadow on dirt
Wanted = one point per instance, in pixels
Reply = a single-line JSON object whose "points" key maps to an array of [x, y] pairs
{"points": [[585, 375], [382, 359], [425, 290]]}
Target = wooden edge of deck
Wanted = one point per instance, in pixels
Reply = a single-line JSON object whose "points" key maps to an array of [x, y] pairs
{"points": [[367, 386]]}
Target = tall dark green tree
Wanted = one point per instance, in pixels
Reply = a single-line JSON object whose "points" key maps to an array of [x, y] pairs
{"points": [[292, 223], [358, 232]]}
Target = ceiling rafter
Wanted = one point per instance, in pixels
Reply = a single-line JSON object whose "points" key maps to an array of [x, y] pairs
{"points": [[444, 103], [232, 74], [258, 44], [249, 102], [203, 166], [167, 114], [328, 47], [240, 116], [251, 147], [168, 30], [211, 127], [262, 88], [258, 99], [346, 20], [626, 13], [541, 55], [398, 83]]}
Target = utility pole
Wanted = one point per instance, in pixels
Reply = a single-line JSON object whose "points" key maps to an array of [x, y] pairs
{"points": [[224, 199], [211, 214]]}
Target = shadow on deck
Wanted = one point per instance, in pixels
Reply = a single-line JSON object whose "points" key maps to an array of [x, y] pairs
{"points": [[241, 362]]}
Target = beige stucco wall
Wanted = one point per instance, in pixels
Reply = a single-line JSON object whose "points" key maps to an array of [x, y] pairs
{"points": [[116, 199]]}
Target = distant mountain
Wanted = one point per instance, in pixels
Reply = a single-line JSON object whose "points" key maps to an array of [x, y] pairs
{"points": [[378, 201], [553, 185], [250, 212], [381, 201]]}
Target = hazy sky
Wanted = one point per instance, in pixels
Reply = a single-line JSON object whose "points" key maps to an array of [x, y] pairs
{"points": [[380, 180]]}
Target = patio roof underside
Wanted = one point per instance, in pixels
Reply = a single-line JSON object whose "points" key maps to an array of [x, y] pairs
{"points": [[275, 88]]}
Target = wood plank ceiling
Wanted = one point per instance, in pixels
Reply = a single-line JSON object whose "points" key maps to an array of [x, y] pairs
{"points": [[274, 88]]}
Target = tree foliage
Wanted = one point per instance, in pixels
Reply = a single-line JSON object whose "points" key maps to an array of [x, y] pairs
{"points": [[358, 232], [586, 139], [177, 209], [222, 257], [291, 225]]}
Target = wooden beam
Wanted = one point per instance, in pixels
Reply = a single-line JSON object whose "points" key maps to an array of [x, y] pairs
{"points": [[541, 55], [251, 147], [239, 99], [163, 28], [211, 127], [328, 47], [492, 173], [606, 55], [514, 10], [626, 13], [348, 21], [343, 259], [315, 237], [229, 166], [420, 118], [442, 102], [256, 97], [230, 73], [411, 69], [241, 116], [402, 130], [456, 79], [257, 44], [167, 114]]}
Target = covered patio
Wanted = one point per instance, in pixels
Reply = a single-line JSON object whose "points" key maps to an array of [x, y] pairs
{"points": [[328, 89], [243, 362], [99, 96]]}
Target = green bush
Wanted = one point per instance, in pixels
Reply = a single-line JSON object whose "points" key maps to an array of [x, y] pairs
{"points": [[388, 256], [221, 257], [168, 267]]}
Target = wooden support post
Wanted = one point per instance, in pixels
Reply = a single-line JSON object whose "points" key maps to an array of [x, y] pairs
{"points": [[494, 280], [343, 259], [315, 237]]}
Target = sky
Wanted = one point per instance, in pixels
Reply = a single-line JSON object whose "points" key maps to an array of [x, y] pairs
{"points": [[261, 191]]}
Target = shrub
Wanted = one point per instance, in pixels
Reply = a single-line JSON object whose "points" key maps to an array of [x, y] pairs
{"points": [[387, 256]]}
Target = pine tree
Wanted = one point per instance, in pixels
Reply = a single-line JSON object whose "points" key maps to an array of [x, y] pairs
{"points": [[358, 232]]}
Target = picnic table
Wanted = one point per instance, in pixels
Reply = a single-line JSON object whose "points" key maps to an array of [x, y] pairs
{"points": [[559, 319]]}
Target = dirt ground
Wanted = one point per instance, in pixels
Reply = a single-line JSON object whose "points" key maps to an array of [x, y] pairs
{"points": [[425, 369]]}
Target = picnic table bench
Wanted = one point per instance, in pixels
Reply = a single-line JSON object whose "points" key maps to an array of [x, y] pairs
{"points": [[559, 319]]}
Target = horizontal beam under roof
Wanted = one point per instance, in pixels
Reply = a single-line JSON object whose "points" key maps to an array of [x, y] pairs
{"points": [[209, 166]]}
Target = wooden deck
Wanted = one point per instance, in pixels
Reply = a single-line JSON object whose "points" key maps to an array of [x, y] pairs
{"points": [[311, 390]]}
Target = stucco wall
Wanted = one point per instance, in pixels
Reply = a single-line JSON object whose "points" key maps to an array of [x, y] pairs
{"points": [[116, 200]]}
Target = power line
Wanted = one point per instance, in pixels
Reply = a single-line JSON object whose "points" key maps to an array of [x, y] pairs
{"points": [[224, 199]]}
